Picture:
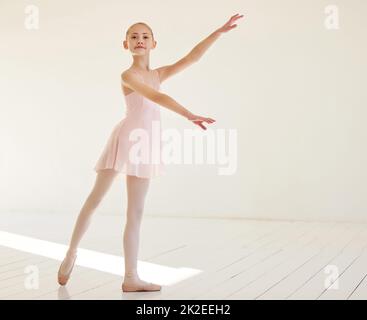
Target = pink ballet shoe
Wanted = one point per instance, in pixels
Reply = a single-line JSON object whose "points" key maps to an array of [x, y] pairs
{"points": [[64, 278], [147, 287]]}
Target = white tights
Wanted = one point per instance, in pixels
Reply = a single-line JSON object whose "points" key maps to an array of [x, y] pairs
{"points": [[136, 191]]}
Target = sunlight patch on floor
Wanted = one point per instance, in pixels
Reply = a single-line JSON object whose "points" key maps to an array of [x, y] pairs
{"points": [[96, 260]]}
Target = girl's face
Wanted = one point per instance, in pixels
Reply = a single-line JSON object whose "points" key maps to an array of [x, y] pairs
{"points": [[139, 40]]}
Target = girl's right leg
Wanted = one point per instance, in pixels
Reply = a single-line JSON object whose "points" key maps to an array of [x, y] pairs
{"points": [[102, 184]]}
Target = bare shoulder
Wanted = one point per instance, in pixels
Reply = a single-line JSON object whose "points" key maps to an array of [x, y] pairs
{"points": [[128, 77], [132, 80], [170, 70], [126, 74], [159, 71]]}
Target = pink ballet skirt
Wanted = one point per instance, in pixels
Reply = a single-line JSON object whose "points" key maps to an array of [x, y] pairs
{"points": [[134, 146]]}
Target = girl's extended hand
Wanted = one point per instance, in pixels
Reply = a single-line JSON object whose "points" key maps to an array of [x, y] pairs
{"points": [[228, 26], [198, 120]]}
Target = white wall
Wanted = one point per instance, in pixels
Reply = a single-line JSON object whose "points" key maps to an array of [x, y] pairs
{"points": [[292, 89]]}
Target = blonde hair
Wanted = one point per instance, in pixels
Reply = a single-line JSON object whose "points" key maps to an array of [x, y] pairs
{"points": [[142, 23]]}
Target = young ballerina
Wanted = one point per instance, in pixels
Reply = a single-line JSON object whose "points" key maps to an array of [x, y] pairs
{"points": [[140, 86]]}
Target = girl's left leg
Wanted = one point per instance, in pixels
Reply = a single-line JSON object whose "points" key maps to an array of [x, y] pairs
{"points": [[137, 189]]}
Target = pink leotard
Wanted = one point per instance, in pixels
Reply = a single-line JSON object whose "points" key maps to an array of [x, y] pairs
{"points": [[141, 113]]}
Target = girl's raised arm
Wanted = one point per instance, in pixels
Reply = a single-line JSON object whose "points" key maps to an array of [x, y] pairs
{"points": [[195, 54]]}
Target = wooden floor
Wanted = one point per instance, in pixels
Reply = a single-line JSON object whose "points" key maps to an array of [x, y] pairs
{"points": [[191, 258]]}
